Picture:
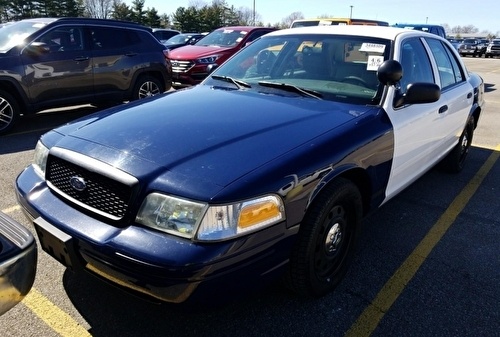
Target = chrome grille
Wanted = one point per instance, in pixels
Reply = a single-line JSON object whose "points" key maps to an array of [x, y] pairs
{"points": [[179, 66], [102, 194]]}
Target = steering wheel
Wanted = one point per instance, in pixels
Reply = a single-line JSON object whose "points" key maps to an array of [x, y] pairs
{"points": [[355, 80]]}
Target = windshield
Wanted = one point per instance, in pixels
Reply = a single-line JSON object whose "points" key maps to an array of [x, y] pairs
{"points": [[222, 38], [339, 68], [179, 38], [13, 34]]}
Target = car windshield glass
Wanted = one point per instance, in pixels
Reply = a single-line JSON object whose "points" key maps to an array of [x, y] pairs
{"points": [[338, 68], [13, 34], [222, 38], [179, 38]]}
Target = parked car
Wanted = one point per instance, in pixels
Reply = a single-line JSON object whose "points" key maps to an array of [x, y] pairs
{"points": [[18, 259], [48, 63], [473, 47], [264, 170], [493, 48], [163, 34], [433, 29], [190, 63], [183, 39], [455, 42]]}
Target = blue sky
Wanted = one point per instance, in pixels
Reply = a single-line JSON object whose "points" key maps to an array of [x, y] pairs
{"points": [[484, 14]]}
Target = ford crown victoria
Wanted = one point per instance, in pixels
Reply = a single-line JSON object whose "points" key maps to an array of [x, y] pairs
{"points": [[264, 170]]}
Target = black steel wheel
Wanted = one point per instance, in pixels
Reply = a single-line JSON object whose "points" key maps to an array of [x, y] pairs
{"points": [[454, 162], [326, 240]]}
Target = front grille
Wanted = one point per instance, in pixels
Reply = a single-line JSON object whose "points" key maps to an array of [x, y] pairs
{"points": [[101, 194], [179, 66]]}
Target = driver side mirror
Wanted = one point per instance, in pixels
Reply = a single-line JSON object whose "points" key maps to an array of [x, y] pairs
{"points": [[390, 73], [37, 48]]}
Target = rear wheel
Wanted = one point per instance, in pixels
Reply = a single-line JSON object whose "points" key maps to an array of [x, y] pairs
{"points": [[454, 162], [9, 112], [147, 86], [326, 240]]}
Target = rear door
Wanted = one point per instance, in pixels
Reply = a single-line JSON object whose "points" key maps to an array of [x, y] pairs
{"points": [[116, 55]]}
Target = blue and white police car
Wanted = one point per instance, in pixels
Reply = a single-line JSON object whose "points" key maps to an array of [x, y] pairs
{"points": [[264, 170]]}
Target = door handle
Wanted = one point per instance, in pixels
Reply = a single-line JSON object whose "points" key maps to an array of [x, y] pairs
{"points": [[130, 54], [81, 58], [469, 95], [442, 109]]}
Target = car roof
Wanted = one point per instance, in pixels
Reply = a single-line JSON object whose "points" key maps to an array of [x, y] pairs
{"points": [[383, 32], [244, 28], [78, 20]]}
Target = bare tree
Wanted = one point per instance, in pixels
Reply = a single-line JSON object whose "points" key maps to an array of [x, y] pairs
{"points": [[246, 16], [101, 9], [287, 21]]}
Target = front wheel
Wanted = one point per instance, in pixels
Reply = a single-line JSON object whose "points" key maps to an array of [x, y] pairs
{"points": [[147, 86], [9, 112], [454, 162], [326, 240]]}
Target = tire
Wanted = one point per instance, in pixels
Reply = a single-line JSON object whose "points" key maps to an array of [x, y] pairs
{"points": [[147, 86], [326, 240], [454, 162], [9, 112]]}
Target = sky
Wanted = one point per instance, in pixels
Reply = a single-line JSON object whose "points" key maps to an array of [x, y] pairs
{"points": [[484, 14]]}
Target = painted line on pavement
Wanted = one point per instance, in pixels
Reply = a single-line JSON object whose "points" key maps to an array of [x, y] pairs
{"points": [[53, 316], [369, 319]]}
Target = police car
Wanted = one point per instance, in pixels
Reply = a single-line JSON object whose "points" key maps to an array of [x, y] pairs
{"points": [[264, 170]]}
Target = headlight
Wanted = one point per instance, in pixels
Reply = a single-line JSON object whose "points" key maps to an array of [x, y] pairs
{"points": [[209, 223], [40, 158], [208, 60]]}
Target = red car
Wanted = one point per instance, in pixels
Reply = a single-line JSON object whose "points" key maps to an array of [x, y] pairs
{"points": [[189, 63]]}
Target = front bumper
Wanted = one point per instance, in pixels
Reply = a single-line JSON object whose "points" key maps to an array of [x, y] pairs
{"points": [[148, 262], [18, 259]]}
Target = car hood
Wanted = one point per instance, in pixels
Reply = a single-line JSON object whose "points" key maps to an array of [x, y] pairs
{"points": [[193, 52], [202, 134]]}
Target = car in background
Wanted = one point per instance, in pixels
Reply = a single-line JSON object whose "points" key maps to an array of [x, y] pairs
{"points": [[473, 47], [182, 39], [455, 42], [49, 63], [433, 29], [264, 170], [18, 262], [192, 63], [163, 34], [493, 48]]}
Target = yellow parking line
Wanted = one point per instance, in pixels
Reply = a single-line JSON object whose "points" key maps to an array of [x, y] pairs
{"points": [[11, 209], [55, 318], [369, 319]]}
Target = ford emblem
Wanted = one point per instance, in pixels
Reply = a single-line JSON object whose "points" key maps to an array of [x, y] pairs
{"points": [[78, 183]]}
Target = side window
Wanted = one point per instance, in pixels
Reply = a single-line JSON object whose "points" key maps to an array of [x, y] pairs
{"points": [[255, 35], [416, 64], [449, 70], [105, 38], [63, 39]]}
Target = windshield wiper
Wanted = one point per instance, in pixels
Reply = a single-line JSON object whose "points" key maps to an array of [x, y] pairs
{"points": [[292, 88], [240, 84]]}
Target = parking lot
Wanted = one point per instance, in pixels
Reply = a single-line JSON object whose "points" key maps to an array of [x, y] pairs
{"points": [[427, 263]]}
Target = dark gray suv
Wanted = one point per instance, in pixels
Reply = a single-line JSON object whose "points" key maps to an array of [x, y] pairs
{"points": [[56, 62]]}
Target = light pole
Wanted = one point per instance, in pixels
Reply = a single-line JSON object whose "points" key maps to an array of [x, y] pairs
{"points": [[350, 16], [254, 12]]}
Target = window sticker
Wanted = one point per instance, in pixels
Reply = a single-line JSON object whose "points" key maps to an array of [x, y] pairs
{"points": [[372, 47], [374, 61]]}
